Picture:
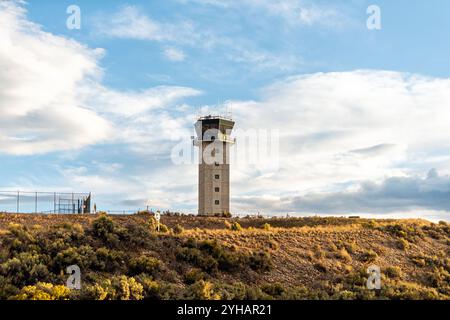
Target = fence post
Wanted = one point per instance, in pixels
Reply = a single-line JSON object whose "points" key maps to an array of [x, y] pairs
{"points": [[35, 203], [18, 201], [54, 203]]}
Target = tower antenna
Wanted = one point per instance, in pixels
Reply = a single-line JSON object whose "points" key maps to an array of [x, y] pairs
{"points": [[218, 106], [198, 113], [228, 109], [231, 110]]}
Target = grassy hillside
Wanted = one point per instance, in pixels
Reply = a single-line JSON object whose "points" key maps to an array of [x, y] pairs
{"points": [[124, 257]]}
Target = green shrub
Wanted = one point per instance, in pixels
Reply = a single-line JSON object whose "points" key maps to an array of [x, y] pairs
{"points": [[145, 264], [104, 229], [195, 256], [439, 279], [163, 228], [235, 226], [115, 288], [209, 264], [109, 260], [410, 232], [7, 290], [103, 226], [240, 291], [369, 256], [69, 233], [351, 247], [371, 224], [342, 254], [393, 272], [202, 290], [318, 252], [138, 235], [178, 229], [226, 215], [151, 223], [304, 293], [43, 291], [20, 233], [267, 226], [152, 289], [194, 275], [402, 244], [192, 255], [260, 261], [273, 245], [66, 258], [275, 290], [23, 268], [226, 260], [235, 291], [436, 231], [320, 266], [210, 256], [419, 261], [408, 291], [39, 273], [255, 293], [210, 247]]}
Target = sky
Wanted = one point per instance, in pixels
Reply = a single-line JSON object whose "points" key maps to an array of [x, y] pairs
{"points": [[361, 116]]}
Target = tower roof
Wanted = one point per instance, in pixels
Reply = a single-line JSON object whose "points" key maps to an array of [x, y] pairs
{"points": [[215, 117]]}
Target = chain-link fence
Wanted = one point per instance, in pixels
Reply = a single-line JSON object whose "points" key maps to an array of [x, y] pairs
{"points": [[44, 202]]}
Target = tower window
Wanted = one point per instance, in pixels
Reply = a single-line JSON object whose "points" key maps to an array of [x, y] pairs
{"points": [[217, 176], [217, 202], [217, 189]]}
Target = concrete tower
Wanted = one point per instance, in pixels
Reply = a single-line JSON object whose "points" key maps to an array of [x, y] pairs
{"points": [[213, 140]]}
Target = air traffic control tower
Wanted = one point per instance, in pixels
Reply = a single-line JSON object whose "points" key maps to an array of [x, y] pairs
{"points": [[213, 139]]}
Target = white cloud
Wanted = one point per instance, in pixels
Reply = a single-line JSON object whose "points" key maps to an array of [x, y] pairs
{"points": [[133, 103], [339, 130], [351, 142], [299, 12], [131, 23], [39, 109], [393, 195], [160, 186], [261, 60], [293, 12], [51, 95], [174, 54]]}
